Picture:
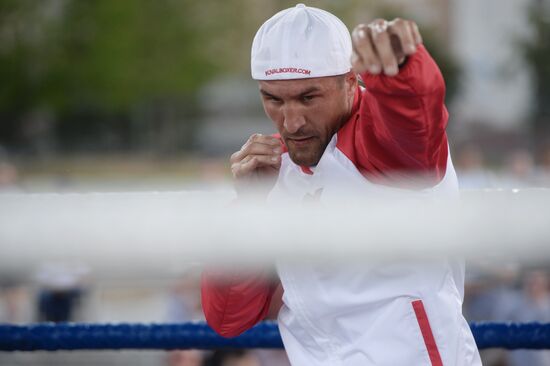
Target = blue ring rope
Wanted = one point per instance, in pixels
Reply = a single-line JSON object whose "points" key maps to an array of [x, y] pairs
{"points": [[74, 336]]}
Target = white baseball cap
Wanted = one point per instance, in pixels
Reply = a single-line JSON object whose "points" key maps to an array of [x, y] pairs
{"points": [[301, 42]]}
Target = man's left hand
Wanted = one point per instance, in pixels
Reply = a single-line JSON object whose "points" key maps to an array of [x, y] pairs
{"points": [[383, 46]]}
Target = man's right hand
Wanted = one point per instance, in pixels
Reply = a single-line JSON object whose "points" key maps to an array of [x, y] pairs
{"points": [[256, 165]]}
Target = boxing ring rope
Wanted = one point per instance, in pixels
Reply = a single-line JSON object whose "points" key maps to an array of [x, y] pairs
{"points": [[155, 231], [68, 336]]}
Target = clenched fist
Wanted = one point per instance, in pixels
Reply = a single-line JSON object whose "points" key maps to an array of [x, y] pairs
{"points": [[256, 165], [383, 46]]}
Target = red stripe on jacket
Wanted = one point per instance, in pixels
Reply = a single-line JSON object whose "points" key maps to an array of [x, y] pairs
{"points": [[427, 335]]}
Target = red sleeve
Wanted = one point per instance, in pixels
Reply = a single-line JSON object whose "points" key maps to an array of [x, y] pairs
{"points": [[234, 303], [398, 135]]}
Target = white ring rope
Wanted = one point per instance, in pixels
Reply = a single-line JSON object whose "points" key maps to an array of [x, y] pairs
{"points": [[157, 231]]}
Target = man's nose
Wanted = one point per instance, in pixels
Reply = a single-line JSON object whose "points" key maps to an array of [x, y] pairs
{"points": [[294, 120]]}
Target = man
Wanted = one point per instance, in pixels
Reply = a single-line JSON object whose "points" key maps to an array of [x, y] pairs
{"points": [[336, 136]]}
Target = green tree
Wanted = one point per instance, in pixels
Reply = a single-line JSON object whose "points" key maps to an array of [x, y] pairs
{"points": [[98, 66], [23, 33]]}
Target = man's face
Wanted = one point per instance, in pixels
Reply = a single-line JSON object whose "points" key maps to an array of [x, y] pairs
{"points": [[308, 112]]}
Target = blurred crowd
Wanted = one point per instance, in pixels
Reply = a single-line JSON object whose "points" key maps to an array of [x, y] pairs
{"points": [[508, 293], [520, 168]]}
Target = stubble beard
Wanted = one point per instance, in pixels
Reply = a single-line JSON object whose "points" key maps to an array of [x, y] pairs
{"points": [[309, 156]]}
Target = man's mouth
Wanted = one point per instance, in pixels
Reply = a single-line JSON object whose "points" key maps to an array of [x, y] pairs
{"points": [[300, 141]]}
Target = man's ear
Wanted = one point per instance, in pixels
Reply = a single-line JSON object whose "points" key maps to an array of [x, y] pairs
{"points": [[351, 82]]}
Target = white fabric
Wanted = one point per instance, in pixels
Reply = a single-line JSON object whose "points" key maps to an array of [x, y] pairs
{"points": [[362, 315], [301, 42]]}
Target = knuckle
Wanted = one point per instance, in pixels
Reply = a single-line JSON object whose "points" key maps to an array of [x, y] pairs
{"points": [[378, 30], [235, 170], [237, 156], [372, 62], [361, 41], [360, 36], [233, 159], [360, 27], [379, 26], [255, 138], [399, 22]]}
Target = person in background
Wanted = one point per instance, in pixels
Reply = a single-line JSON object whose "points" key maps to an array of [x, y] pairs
{"points": [[9, 176], [471, 170], [519, 170], [61, 289], [533, 306]]}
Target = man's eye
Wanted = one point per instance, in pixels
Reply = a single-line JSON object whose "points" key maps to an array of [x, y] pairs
{"points": [[273, 99], [308, 98]]}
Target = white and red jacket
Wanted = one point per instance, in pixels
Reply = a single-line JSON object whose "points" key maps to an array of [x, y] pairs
{"points": [[403, 314]]}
